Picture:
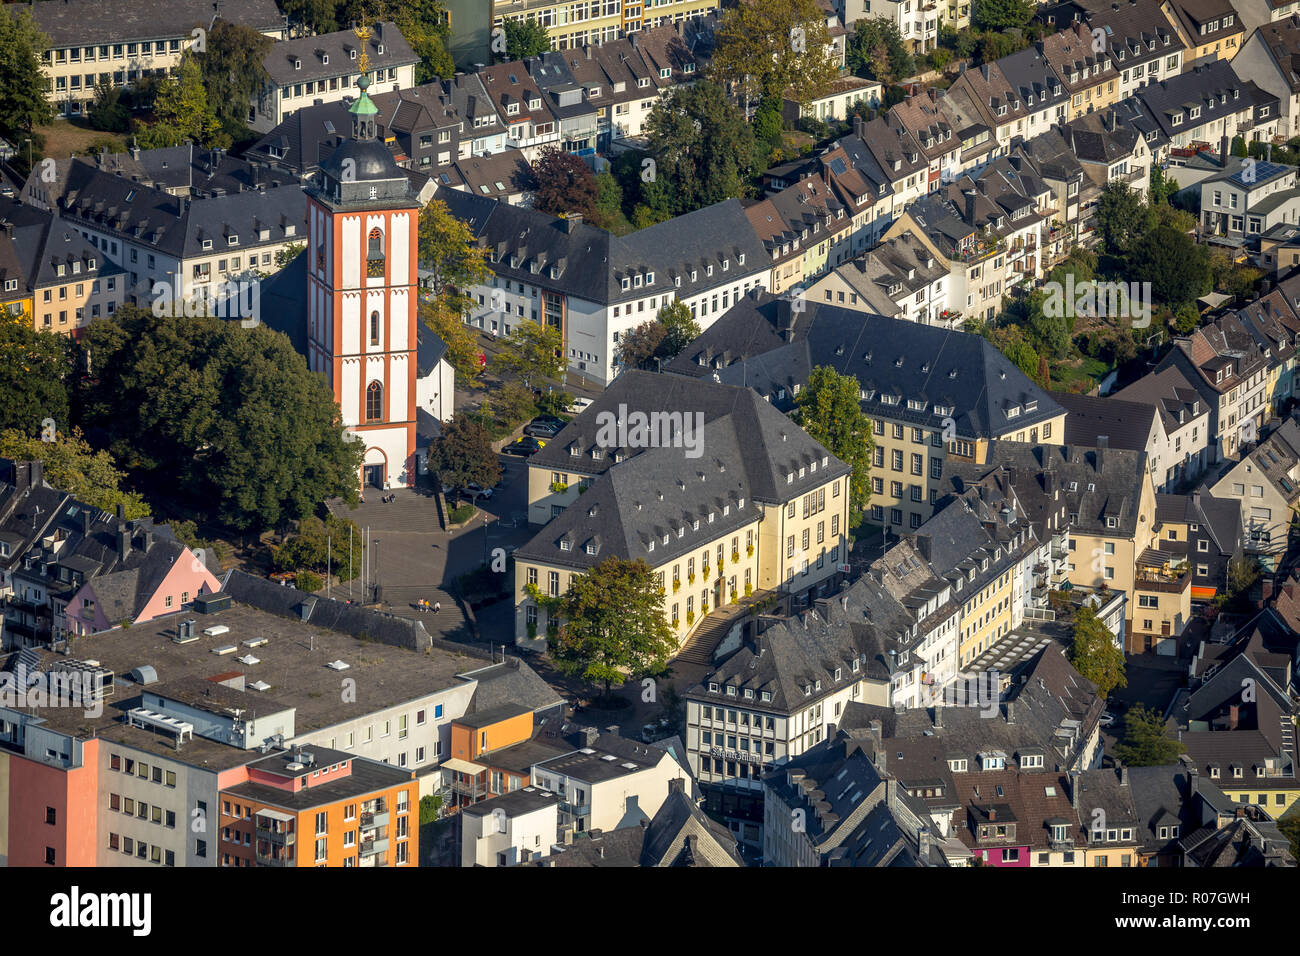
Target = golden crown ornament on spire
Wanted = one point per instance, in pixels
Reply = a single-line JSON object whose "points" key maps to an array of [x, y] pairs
{"points": [[364, 33]]}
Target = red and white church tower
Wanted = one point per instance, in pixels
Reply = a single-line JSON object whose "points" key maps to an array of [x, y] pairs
{"points": [[362, 296]]}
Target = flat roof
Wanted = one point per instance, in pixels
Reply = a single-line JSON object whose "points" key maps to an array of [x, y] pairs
{"points": [[294, 661]]}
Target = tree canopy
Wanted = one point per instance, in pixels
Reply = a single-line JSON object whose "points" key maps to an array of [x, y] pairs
{"points": [[1145, 742], [463, 454], [828, 409], [34, 368], [774, 49], [525, 38], [1094, 654], [564, 184], [22, 82], [73, 466], [222, 420], [184, 113], [701, 146], [232, 72], [612, 624], [876, 50], [454, 264], [532, 352]]}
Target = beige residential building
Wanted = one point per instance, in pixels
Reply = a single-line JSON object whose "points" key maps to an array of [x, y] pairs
{"points": [[718, 492]]}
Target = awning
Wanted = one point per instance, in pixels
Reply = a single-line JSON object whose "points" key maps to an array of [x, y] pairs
{"points": [[274, 815], [462, 766], [1203, 594]]}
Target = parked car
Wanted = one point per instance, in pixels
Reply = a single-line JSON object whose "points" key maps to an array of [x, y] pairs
{"points": [[1106, 719], [543, 429], [475, 490], [525, 446], [579, 406]]}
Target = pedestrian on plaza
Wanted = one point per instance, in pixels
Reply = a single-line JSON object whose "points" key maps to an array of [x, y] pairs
{"points": [[437, 606]]}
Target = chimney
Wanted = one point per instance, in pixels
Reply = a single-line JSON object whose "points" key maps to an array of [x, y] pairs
{"points": [[993, 814], [572, 221], [148, 539], [923, 844], [970, 206], [1223, 151], [1232, 717], [85, 521], [1123, 776], [758, 645], [1103, 442], [857, 126], [1074, 789], [589, 735], [121, 513], [938, 717], [1011, 711], [123, 542]]}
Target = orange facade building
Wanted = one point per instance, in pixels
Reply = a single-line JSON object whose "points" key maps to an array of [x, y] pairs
{"points": [[320, 807]]}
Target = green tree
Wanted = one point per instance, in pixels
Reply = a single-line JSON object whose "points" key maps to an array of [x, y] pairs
{"points": [[1162, 187], [1122, 217], [525, 38], [1145, 741], [108, 112], [506, 408], [680, 329], [640, 345], [223, 420], [71, 465], [449, 253], [612, 624], [183, 110], [1177, 268], [34, 369], [877, 51], [463, 454], [286, 254], [232, 72], [426, 26], [22, 82], [532, 351], [774, 49], [316, 15], [829, 410], [564, 184], [701, 145], [322, 546], [1001, 14], [1094, 654], [1243, 572], [609, 202]]}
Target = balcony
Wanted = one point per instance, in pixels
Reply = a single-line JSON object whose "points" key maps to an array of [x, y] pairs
{"points": [[266, 858], [276, 837], [374, 818], [369, 848], [1155, 581]]}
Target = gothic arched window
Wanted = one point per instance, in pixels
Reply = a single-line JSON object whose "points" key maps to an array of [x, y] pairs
{"points": [[375, 254], [374, 402]]}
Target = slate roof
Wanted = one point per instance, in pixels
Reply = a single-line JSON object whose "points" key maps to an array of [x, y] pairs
{"points": [[589, 263], [1094, 483], [499, 176], [189, 171], [1047, 708], [175, 225], [511, 682], [956, 373], [1162, 796], [854, 814], [1169, 390], [33, 243], [339, 47], [87, 22], [1125, 424], [792, 657], [1214, 86], [746, 451]]}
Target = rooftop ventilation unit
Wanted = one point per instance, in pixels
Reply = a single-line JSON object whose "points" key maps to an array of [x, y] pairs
{"points": [[216, 630], [249, 659], [260, 685], [255, 642], [224, 650], [338, 665]]}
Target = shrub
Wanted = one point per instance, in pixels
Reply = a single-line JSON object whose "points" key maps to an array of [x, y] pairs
{"points": [[460, 514], [308, 581]]}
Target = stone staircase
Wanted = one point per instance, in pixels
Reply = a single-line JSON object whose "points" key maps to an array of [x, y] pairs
{"points": [[411, 510]]}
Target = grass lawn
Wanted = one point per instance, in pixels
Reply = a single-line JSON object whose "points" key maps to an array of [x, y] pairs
{"points": [[69, 137]]}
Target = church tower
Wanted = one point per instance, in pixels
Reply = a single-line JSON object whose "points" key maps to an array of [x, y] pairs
{"points": [[362, 293]]}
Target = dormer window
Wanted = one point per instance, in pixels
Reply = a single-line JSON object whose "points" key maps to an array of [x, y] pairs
{"points": [[297, 63], [325, 59]]}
